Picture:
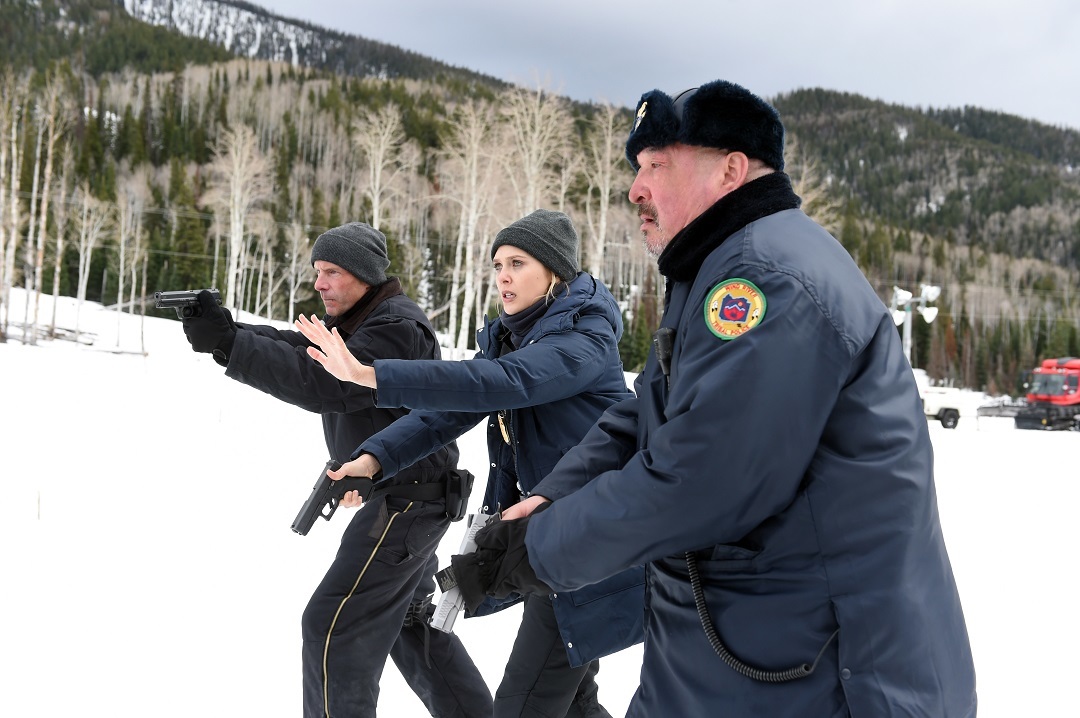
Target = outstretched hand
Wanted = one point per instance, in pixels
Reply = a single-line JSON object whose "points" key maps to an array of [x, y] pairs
{"points": [[331, 352]]}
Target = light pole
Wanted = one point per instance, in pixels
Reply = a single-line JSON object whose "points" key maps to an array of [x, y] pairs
{"points": [[902, 301]]}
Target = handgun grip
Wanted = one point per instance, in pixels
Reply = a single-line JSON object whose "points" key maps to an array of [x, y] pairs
{"points": [[362, 484], [326, 495]]}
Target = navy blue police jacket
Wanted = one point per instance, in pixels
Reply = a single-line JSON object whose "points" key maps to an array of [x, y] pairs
{"points": [[550, 391], [791, 458]]}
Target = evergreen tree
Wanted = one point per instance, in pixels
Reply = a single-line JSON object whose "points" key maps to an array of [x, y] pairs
{"points": [[189, 266], [636, 341], [1061, 340], [851, 235]]}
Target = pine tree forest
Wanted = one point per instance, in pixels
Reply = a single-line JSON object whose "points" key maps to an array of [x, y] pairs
{"points": [[118, 184]]}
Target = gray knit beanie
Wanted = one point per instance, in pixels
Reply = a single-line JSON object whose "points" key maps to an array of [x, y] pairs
{"points": [[358, 248], [548, 236]]}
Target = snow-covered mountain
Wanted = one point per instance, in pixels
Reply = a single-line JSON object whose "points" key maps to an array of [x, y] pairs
{"points": [[242, 29], [250, 31]]}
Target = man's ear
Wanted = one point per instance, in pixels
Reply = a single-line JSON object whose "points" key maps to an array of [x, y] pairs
{"points": [[734, 168]]}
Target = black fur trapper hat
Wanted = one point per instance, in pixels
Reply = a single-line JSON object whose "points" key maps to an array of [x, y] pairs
{"points": [[719, 114]]}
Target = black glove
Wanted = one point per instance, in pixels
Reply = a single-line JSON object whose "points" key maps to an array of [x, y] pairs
{"points": [[500, 564], [213, 330]]}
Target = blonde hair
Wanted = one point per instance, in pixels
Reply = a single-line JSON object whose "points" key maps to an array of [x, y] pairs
{"points": [[553, 281], [550, 293]]}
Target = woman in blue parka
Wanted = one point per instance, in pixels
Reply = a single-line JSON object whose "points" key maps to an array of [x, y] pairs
{"points": [[547, 367]]}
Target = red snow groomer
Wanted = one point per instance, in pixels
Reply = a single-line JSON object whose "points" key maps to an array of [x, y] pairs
{"points": [[1053, 396]]}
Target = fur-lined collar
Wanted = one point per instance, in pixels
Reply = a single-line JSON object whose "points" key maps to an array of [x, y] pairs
{"points": [[766, 195]]}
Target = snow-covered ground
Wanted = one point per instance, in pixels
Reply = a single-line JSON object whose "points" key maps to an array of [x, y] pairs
{"points": [[148, 567]]}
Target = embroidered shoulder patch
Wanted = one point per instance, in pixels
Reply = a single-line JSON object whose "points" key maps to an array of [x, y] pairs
{"points": [[734, 307]]}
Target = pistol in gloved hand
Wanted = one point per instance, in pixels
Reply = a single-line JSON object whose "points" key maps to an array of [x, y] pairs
{"points": [[213, 330], [500, 564]]}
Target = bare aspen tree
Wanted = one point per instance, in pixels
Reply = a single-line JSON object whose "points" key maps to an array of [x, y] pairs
{"points": [[379, 135], [132, 196], [138, 251], [491, 290], [67, 169], [347, 190], [300, 183], [467, 169], [409, 192], [17, 95], [54, 114], [242, 107], [304, 115], [569, 164], [216, 231], [262, 268], [538, 128], [93, 222], [471, 289], [408, 207], [264, 229], [485, 278], [603, 157], [408, 163], [28, 252], [7, 85], [271, 106], [142, 314], [338, 174], [240, 179], [298, 251], [243, 281]]}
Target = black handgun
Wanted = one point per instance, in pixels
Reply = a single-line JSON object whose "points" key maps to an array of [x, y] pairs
{"points": [[327, 494], [185, 302]]}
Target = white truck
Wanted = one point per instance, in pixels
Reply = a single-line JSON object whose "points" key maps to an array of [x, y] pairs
{"points": [[943, 403]]}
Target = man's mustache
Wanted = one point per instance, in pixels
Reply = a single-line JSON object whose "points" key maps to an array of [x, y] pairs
{"points": [[647, 210]]}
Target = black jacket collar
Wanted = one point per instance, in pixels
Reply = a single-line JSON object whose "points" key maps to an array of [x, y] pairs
{"points": [[348, 322]]}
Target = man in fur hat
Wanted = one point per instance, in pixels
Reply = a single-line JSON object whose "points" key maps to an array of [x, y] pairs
{"points": [[774, 472]]}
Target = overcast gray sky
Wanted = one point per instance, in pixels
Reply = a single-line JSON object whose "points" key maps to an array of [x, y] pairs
{"points": [[1016, 57]]}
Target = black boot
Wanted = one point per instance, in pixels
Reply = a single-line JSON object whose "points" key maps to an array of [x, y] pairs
{"points": [[417, 618]]}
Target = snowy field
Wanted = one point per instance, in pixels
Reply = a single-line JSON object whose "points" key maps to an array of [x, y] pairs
{"points": [[149, 570]]}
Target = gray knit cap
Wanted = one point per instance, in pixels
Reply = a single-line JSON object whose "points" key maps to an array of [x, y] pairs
{"points": [[548, 236], [358, 248]]}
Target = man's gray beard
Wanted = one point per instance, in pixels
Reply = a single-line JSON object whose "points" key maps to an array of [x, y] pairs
{"points": [[650, 250]]}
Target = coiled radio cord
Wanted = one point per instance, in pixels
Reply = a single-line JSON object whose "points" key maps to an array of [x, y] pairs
{"points": [[757, 674]]}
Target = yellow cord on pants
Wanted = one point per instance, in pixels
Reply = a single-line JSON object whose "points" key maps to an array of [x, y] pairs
{"points": [[326, 647]]}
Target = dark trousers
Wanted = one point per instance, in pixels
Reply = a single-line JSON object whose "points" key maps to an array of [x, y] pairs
{"points": [[386, 561], [539, 681]]}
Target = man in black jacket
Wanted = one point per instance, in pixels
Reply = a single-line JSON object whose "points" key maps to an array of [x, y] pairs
{"points": [[375, 598]]}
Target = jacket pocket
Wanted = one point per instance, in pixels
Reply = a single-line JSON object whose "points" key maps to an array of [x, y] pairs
{"points": [[728, 557], [411, 535], [603, 618]]}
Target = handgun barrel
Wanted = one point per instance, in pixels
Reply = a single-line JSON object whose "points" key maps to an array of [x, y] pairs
{"points": [[181, 298]]}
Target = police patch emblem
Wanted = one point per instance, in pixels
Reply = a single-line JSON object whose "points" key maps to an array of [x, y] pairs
{"points": [[733, 308]]}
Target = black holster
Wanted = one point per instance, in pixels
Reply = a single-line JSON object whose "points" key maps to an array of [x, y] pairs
{"points": [[459, 485]]}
